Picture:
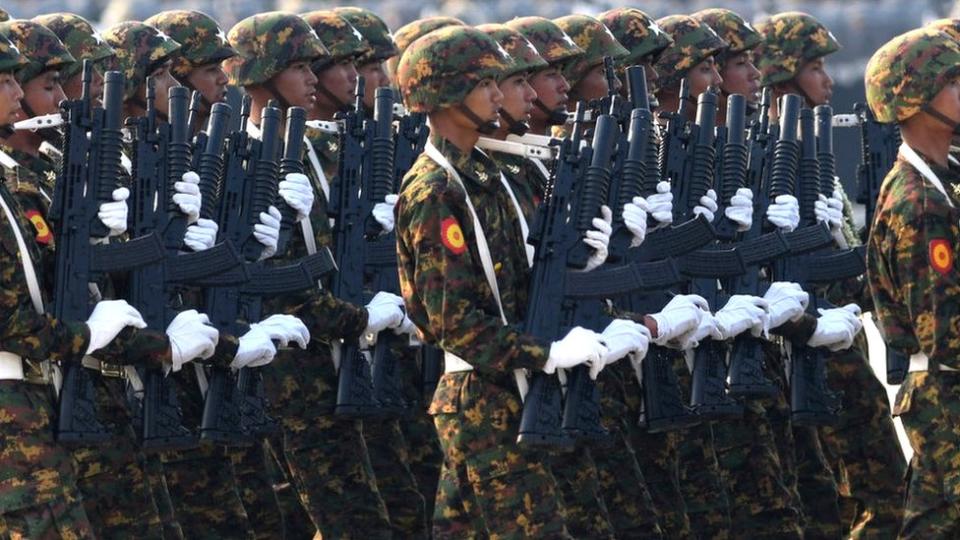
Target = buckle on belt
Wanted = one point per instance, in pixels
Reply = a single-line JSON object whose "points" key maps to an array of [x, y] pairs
{"points": [[115, 371]]}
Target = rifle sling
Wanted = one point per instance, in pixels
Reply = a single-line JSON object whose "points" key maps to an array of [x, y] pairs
{"points": [[924, 170], [29, 272]]}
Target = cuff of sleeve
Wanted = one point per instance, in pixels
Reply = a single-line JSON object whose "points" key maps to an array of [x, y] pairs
{"points": [[799, 331], [78, 339]]}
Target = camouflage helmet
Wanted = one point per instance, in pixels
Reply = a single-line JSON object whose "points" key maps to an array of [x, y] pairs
{"points": [[410, 32], [373, 30], [524, 54], [951, 27], [4, 16], [267, 43], [907, 72], [595, 39], [790, 40], [738, 33], [441, 68], [10, 57], [201, 39], [553, 44], [46, 51], [637, 32], [140, 49], [80, 38], [339, 36], [693, 42]]}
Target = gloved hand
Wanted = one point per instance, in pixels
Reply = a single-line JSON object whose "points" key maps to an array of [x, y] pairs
{"points": [[837, 327], [830, 210], [187, 195], [599, 238], [787, 302], [114, 214], [579, 346], [191, 336], [661, 204], [385, 310], [383, 212], [707, 328], [635, 218], [621, 338], [740, 209], [267, 232], [201, 235], [406, 327], [741, 313], [284, 328], [108, 318], [256, 349], [708, 206], [680, 316], [784, 212], [297, 192]]}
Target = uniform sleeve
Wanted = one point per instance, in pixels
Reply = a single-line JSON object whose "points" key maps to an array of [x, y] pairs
{"points": [[445, 290], [139, 347], [330, 318]]}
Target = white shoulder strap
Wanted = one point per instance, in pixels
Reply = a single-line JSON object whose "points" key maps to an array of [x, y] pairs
{"points": [[541, 167], [918, 163], [317, 168], [33, 285]]}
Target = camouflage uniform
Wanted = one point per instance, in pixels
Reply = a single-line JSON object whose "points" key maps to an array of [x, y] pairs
{"points": [[489, 487], [911, 270]]}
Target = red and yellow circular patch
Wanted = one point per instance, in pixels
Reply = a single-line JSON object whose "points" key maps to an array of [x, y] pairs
{"points": [[44, 236], [941, 256], [452, 236]]}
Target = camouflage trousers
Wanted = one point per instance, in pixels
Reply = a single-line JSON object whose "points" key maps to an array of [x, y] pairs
{"points": [[489, 486], [425, 457], [863, 449], [578, 482], [161, 495], [39, 498], [389, 457], [250, 466], [929, 405]]}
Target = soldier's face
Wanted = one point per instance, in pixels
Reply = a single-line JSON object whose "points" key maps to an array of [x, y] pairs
{"points": [[740, 76], [703, 76], [815, 82], [594, 84], [374, 76], [163, 82], [43, 93], [947, 102], [10, 96], [298, 85], [210, 81], [518, 97], [485, 101], [73, 87], [551, 88], [340, 79]]}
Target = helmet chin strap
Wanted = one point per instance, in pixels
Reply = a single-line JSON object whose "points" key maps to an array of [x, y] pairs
{"points": [[516, 127], [282, 101], [483, 126], [942, 118], [555, 117], [337, 102]]}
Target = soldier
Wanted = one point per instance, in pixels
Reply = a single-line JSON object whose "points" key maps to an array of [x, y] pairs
{"points": [[84, 43], [371, 65], [912, 80], [410, 32], [792, 59]]}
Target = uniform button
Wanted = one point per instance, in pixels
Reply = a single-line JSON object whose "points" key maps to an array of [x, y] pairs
{"points": [[497, 267]]}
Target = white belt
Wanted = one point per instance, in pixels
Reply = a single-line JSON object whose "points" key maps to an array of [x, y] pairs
{"points": [[454, 364], [920, 362], [11, 367]]}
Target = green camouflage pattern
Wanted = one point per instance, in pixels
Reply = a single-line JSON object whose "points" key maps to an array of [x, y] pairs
{"points": [[267, 43], [201, 39], [412, 31], [693, 42], [553, 44], [951, 27], [374, 31], [161, 495], [256, 488], [424, 455], [637, 32], [80, 38], [389, 456], [10, 57], [41, 47], [525, 57], [790, 40], [4, 16], [339, 36], [596, 41], [140, 49], [739, 34], [441, 68], [907, 72]]}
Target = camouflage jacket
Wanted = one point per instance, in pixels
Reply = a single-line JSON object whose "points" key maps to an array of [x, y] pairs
{"points": [[441, 277], [525, 179], [910, 263]]}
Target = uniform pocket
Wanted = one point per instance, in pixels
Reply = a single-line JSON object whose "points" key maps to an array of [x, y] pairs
{"points": [[446, 398]]}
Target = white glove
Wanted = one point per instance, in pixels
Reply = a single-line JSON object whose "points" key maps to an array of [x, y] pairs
{"points": [[599, 238], [837, 327], [187, 195], [707, 328], [579, 346], [406, 327], [191, 336], [385, 310], [661, 204], [383, 212], [284, 328], [109, 317], [741, 313], [740, 209], [114, 214], [297, 192], [267, 232], [680, 316], [786, 301], [635, 218], [256, 349], [201, 235], [784, 212], [708, 206], [622, 337], [829, 210]]}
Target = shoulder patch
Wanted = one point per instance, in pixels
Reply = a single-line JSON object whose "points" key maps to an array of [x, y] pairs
{"points": [[452, 236], [44, 236], [941, 256]]}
